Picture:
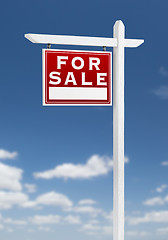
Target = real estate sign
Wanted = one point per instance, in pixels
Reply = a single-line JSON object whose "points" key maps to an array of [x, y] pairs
{"points": [[76, 77]]}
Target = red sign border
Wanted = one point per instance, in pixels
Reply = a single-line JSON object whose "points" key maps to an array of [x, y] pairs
{"points": [[74, 102]]}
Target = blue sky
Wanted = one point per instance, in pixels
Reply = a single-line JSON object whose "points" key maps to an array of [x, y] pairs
{"points": [[39, 198]]}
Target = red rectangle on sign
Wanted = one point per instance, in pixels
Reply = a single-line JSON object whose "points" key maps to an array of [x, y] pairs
{"points": [[76, 77]]}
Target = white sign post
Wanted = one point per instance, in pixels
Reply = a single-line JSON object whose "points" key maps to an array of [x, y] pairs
{"points": [[118, 42], [118, 132]]}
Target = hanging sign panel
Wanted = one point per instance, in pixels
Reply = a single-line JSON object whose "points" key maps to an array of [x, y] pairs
{"points": [[76, 77]]}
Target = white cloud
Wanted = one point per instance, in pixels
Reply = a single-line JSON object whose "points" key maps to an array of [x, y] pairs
{"points": [[87, 202], [165, 163], [29, 204], [1, 227], [10, 230], [136, 233], [95, 166], [161, 92], [143, 233], [93, 221], [162, 231], [72, 219], [90, 227], [91, 233], [46, 229], [31, 230], [31, 188], [51, 199], [108, 216], [166, 199], [154, 201], [50, 219], [85, 210], [126, 159], [10, 177], [54, 199], [7, 155], [54, 219], [131, 233], [15, 222], [94, 229], [8, 199], [149, 217], [163, 71], [108, 230], [161, 188]]}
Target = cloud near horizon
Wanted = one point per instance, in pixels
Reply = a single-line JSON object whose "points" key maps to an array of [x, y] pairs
{"points": [[95, 166], [149, 217], [54, 219], [156, 201], [9, 199], [87, 202], [50, 199]]}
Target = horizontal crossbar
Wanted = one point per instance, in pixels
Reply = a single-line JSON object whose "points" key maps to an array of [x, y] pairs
{"points": [[82, 41]]}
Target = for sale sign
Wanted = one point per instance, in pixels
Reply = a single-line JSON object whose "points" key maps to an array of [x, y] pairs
{"points": [[76, 77]]}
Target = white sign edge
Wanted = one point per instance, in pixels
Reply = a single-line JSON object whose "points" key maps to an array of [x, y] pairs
{"points": [[71, 40], [80, 40], [66, 105]]}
